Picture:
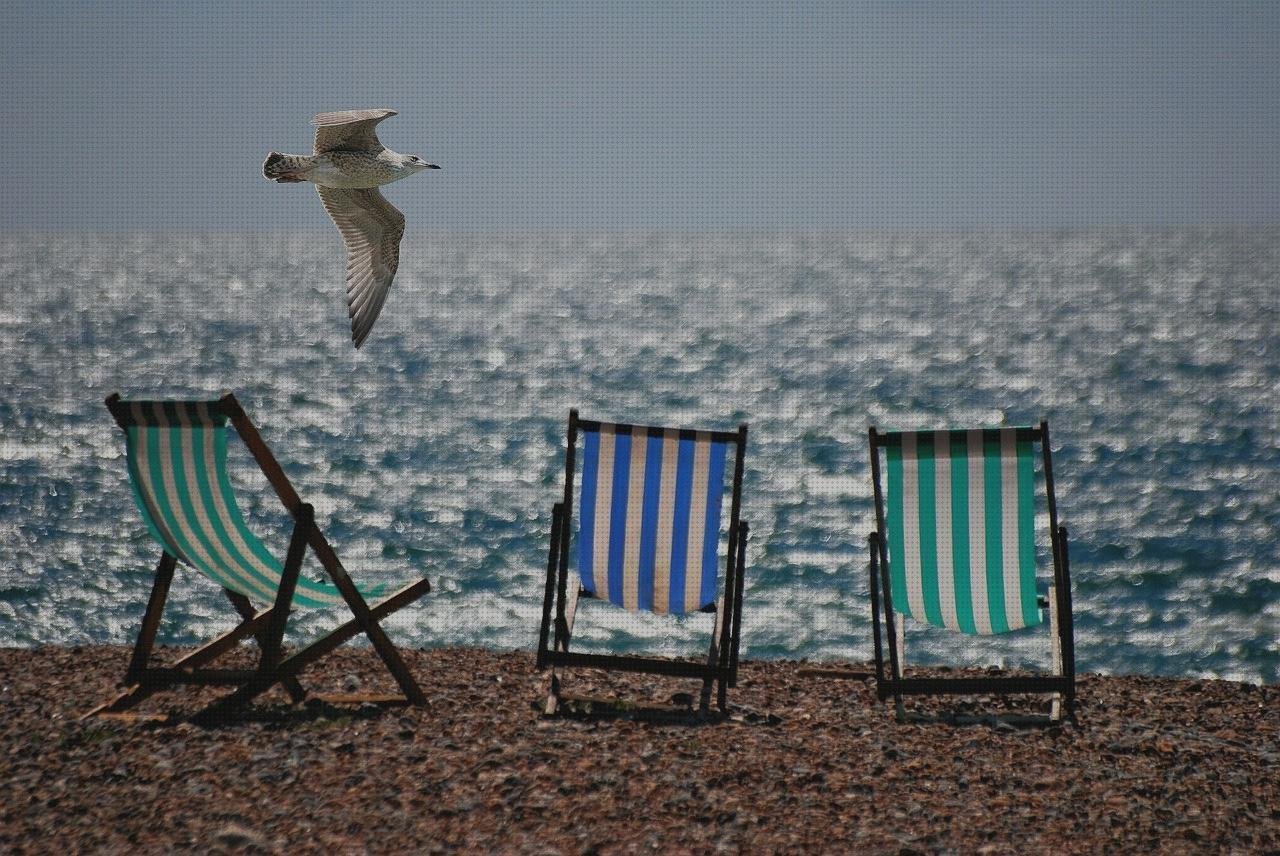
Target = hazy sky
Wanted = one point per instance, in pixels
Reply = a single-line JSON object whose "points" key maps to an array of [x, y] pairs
{"points": [[636, 115]]}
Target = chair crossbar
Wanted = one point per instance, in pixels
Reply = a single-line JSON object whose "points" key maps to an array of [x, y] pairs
{"points": [[649, 665], [980, 685]]}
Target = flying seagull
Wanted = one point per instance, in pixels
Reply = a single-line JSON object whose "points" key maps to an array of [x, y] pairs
{"points": [[347, 169]]}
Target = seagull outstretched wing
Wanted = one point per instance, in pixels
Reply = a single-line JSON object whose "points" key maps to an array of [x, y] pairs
{"points": [[371, 229], [349, 129]]}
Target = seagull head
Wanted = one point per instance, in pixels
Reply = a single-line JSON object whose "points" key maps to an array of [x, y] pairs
{"points": [[417, 163]]}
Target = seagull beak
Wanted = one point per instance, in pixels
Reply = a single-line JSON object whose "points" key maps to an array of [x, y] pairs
{"points": [[432, 166]]}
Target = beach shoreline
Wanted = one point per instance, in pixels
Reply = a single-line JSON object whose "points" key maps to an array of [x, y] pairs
{"points": [[802, 764]]}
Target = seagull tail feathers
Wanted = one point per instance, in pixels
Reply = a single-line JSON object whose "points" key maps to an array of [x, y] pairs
{"points": [[285, 168]]}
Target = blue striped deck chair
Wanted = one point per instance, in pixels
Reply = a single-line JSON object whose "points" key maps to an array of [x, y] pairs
{"points": [[955, 548], [650, 504], [177, 461]]}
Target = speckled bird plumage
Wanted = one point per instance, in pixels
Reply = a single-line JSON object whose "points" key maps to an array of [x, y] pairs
{"points": [[348, 166]]}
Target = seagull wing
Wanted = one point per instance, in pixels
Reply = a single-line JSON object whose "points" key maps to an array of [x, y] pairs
{"points": [[349, 129], [371, 229]]}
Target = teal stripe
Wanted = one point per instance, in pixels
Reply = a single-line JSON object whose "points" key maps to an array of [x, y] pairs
{"points": [[259, 550], [895, 524], [178, 464], [1027, 533], [304, 594], [159, 492], [960, 532], [926, 477], [995, 538], [308, 593], [141, 497], [266, 585], [256, 575]]}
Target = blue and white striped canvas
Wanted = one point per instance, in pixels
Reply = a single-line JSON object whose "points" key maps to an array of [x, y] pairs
{"points": [[650, 517]]}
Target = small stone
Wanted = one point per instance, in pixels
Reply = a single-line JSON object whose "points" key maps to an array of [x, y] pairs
{"points": [[234, 835]]}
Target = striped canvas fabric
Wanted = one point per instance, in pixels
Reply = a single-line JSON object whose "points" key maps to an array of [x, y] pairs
{"points": [[961, 529], [177, 455], [650, 517]]}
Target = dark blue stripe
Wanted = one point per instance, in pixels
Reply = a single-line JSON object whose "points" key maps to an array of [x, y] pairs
{"points": [[587, 509], [680, 524], [618, 514], [711, 535], [649, 521]]}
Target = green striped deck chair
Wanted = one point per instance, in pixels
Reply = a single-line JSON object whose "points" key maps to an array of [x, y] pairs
{"points": [[955, 548], [177, 462], [648, 539]]}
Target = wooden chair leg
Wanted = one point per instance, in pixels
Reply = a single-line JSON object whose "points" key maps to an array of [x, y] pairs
{"points": [[548, 598], [242, 606], [1055, 702], [713, 660], [381, 644], [209, 651], [151, 618], [137, 669], [562, 636], [273, 638], [900, 664], [290, 666]]}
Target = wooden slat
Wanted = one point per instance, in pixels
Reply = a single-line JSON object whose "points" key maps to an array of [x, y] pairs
{"points": [[331, 640], [242, 606], [836, 674], [151, 619], [649, 665], [296, 662], [980, 685]]}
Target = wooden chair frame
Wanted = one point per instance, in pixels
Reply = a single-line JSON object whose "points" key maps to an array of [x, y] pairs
{"points": [[1061, 683], [267, 626], [559, 608]]}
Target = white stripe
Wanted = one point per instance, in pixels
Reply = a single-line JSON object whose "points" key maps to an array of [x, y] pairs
{"points": [[666, 515], [1009, 527], [143, 455], [251, 559], [604, 508], [911, 525], [172, 498], [697, 521], [223, 560], [635, 518], [942, 534], [978, 536]]}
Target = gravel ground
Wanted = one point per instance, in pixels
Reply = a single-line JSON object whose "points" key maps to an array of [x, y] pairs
{"points": [[803, 765]]}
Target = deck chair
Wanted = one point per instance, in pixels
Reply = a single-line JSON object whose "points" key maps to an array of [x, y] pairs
{"points": [[954, 547], [648, 538], [177, 459]]}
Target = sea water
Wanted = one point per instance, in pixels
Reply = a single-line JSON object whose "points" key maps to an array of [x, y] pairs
{"points": [[438, 449]]}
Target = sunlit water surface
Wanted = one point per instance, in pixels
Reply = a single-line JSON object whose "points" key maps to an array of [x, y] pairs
{"points": [[438, 449]]}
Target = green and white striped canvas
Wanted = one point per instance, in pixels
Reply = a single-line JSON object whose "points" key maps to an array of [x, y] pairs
{"points": [[177, 455], [960, 522]]}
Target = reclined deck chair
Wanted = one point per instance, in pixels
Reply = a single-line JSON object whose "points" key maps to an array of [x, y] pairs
{"points": [[954, 547], [648, 539], [177, 458]]}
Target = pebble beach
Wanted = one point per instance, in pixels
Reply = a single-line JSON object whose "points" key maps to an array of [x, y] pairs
{"points": [[802, 764]]}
